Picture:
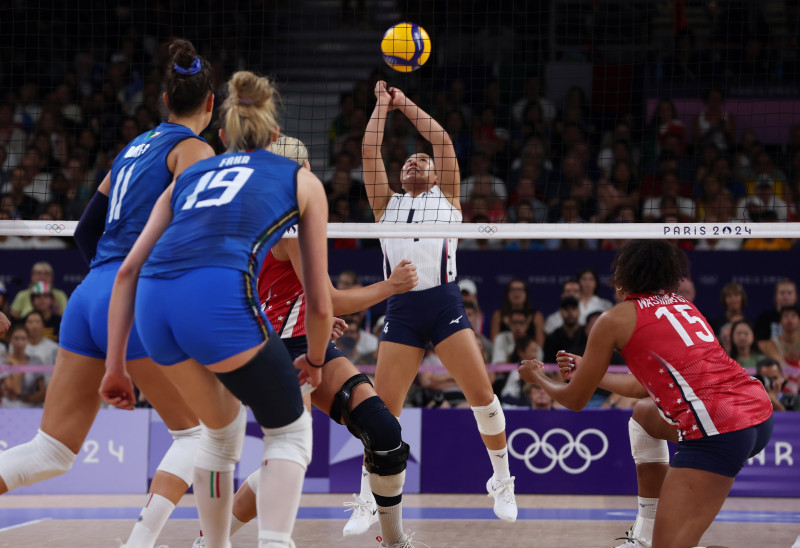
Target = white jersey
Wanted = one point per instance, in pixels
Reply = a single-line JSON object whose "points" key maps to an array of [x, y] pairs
{"points": [[435, 258]]}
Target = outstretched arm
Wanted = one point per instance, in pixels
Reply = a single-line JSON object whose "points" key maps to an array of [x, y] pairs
{"points": [[349, 301], [444, 154], [375, 180]]}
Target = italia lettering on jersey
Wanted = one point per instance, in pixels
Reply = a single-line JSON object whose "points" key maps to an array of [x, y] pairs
{"points": [[697, 387], [435, 258], [282, 299]]}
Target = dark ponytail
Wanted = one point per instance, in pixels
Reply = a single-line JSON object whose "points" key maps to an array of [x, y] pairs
{"points": [[187, 79]]}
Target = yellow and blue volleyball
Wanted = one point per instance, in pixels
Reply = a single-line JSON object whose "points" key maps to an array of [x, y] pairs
{"points": [[406, 47]]}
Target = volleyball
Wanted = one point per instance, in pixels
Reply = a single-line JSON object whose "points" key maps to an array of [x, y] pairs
{"points": [[406, 47]]}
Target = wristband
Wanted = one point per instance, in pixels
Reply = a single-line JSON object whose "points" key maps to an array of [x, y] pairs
{"points": [[312, 364]]}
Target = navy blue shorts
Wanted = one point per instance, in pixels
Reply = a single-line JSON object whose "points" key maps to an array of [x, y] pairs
{"points": [[299, 345], [208, 314], [723, 453], [431, 315], [84, 327]]}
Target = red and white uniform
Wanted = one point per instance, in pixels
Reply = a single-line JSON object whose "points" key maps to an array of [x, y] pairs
{"points": [[282, 298], [697, 387]]}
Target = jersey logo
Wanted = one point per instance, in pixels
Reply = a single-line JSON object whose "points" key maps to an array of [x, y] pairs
{"points": [[386, 328], [154, 133], [456, 320]]}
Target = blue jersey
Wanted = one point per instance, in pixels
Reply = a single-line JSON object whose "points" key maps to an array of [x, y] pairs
{"points": [[138, 177], [228, 211]]}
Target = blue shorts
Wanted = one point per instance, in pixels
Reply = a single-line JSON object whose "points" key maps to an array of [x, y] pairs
{"points": [[431, 315], [208, 314], [723, 453], [299, 345], [84, 327]]}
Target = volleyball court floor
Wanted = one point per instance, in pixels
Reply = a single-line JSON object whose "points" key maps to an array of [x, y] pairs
{"points": [[441, 521]]}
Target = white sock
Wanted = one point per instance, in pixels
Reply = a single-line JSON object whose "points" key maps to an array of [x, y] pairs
{"points": [[366, 490], [279, 487], [645, 519], [499, 458], [236, 524], [152, 518], [391, 518], [213, 494]]}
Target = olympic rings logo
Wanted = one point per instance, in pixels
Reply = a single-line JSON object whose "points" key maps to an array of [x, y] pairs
{"points": [[488, 229], [55, 228], [558, 457]]}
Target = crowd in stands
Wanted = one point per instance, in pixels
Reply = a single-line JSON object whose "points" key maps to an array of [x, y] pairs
{"points": [[525, 157]]}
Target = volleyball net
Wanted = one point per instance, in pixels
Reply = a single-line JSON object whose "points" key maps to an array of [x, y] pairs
{"points": [[569, 119]]}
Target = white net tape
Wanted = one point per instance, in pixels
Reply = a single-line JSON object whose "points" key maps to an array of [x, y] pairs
{"points": [[499, 231]]}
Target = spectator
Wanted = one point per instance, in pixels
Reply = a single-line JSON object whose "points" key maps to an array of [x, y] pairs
{"points": [[38, 345], [475, 317], [532, 164], [356, 343], [525, 192], [733, 299], [43, 303], [481, 178], [20, 389], [506, 341], [768, 371], [765, 197], [442, 389], [665, 122], [40, 272], [569, 336], [724, 174], [524, 213], [767, 244], [743, 344], [568, 213], [715, 124], [517, 297], [768, 323], [533, 95], [511, 390], [569, 288], [785, 348], [588, 299], [670, 188]]}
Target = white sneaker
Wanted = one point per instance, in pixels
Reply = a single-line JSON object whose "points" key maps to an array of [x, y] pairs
{"points": [[365, 513], [632, 542], [405, 542], [505, 504], [199, 542]]}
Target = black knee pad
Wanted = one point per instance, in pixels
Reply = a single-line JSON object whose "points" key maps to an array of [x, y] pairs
{"points": [[268, 385], [385, 452], [340, 408]]}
